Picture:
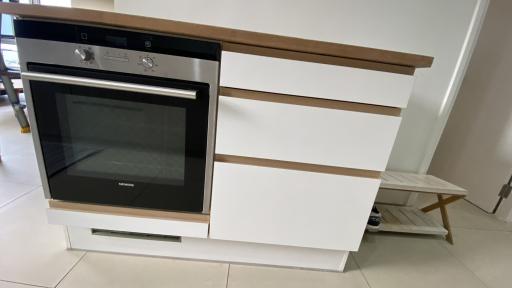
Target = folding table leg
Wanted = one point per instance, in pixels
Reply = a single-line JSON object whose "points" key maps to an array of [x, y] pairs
{"points": [[12, 94], [444, 216], [445, 201], [14, 99]]}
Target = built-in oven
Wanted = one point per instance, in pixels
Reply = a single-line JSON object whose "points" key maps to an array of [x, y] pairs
{"points": [[121, 118]]}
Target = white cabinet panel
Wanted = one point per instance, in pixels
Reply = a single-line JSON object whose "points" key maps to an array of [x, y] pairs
{"points": [[305, 134], [314, 80], [288, 207]]}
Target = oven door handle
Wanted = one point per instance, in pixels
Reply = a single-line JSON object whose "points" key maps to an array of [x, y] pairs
{"points": [[107, 84]]}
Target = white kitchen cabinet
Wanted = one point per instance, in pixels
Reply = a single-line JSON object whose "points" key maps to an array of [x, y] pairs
{"points": [[263, 210], [289, 207], [316, 80], [296, 133]]}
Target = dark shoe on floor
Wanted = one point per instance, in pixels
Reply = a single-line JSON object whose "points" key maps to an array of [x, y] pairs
{"points": [[375, 212], [373, 224]]}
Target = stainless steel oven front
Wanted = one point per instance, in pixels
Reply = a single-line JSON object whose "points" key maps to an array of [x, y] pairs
{"points": [[119, 117]]}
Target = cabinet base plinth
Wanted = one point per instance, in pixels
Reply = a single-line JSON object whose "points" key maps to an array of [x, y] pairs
{"points": [[210, 250]]}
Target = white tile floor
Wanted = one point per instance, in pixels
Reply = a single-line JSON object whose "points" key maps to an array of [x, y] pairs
{"points": [[33, 253]]}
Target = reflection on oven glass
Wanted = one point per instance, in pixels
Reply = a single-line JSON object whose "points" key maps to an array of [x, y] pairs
{"points": [[120, 140]]}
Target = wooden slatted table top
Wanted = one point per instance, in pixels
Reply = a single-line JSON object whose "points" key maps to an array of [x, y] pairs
{"points": [[419, 183], [245, 40]]}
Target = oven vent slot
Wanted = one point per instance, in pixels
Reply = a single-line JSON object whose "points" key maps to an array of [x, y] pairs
{"points": [[135, 235]]}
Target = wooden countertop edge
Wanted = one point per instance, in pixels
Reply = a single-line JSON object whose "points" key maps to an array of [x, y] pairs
{"points": [[215, 33], [129, 212]]}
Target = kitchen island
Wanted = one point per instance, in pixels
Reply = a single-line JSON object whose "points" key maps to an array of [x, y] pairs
{"points": [[304, 129]]}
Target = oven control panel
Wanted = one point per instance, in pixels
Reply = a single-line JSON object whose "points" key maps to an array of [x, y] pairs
{"points": [[123, 60], [112, 56], [117, 50], [101, 57]]}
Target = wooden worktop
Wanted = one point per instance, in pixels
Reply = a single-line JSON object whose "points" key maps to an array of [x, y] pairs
{"points": [[236, 40]]}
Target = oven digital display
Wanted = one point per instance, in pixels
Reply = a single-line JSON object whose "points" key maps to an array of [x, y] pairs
{"points": [[117, 41]]}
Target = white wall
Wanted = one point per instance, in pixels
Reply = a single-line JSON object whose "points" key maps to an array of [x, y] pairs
{"points": [[62, 3], [475, 150], [106, 5]]}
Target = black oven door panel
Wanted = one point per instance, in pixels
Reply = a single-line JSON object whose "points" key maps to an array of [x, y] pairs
{"points": [[122, 148]]}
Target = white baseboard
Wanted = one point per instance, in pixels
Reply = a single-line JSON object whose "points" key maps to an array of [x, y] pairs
{"points": [[211, 250]]}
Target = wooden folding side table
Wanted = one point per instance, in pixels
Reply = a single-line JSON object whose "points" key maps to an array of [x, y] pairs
{"points": [[406, 219]]}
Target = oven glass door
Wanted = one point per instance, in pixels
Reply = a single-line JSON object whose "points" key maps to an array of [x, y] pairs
{"points": [[121, 146]]}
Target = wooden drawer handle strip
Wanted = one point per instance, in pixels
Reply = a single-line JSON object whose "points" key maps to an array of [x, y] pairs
{"points": [[309, 101], [317, 58], [297, 166], [130, 212]]}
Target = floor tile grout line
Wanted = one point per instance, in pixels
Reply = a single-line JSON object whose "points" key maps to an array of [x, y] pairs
{"points": [[19, 196], [227, 276], [23, 283], [71, 269], [472, 228], [476, 206], [443, 245], [39, 184], [10, 181], [13, 181], [360, 270]]}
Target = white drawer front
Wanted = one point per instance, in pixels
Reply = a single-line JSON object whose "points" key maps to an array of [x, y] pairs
{"points": [[127, 223], [288, 207], [305, 134], [314, 80]]}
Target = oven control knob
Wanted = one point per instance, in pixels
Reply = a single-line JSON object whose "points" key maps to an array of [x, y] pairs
{"points": [[84, 54], [147, 62]]}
